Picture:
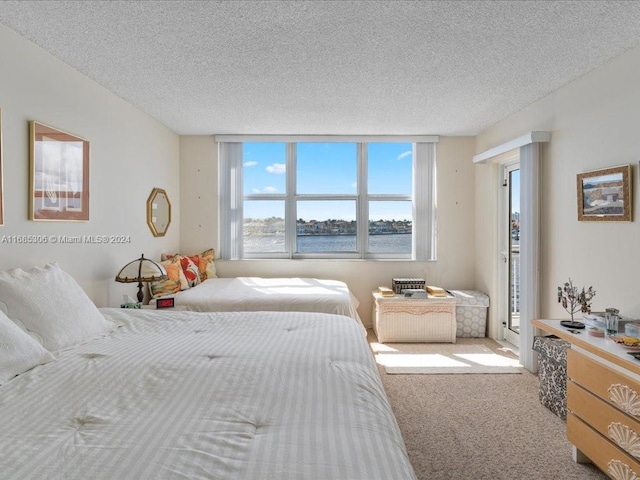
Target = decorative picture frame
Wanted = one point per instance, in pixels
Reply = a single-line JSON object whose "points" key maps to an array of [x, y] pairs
{"points": [[1, 176], [605, 195], [59, 174]]}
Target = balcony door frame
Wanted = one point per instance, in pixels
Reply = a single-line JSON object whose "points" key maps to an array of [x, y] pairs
{"points": [[508, 165], [530, 178]]}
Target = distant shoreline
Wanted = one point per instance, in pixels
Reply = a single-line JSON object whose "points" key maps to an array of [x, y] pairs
{"points": [[334, 234], [327, 243], [347, 234]]}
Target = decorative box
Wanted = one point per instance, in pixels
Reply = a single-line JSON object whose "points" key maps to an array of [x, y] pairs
{"points": [[131, 305], [632, 329], [552, 373], [471, 313], [407, 319], [401, 284], [595, 319]]}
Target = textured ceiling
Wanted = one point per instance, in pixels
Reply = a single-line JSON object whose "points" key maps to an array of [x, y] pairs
{"points": [[350, 67]]}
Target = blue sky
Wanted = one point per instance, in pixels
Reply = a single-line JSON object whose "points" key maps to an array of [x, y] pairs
{"points": [[515, 187], [329, 168]]}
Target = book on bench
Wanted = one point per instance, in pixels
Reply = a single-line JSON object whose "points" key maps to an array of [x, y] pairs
{"points": [[436, 291], [415, 292], [385, 291]]}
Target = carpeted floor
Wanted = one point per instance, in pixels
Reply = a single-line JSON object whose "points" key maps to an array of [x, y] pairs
{"points": [[443, 358], [481, 426]]}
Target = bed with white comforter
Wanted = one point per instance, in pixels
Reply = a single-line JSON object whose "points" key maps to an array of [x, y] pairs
{"points": [[189, 395], [272, 294]]}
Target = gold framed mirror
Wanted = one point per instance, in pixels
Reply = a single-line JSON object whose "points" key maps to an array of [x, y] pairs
{"points": [[158, 212]]}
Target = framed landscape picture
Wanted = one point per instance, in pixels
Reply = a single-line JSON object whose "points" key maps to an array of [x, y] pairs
{"points": [[605, 195], [59, 175], [1, 174]]}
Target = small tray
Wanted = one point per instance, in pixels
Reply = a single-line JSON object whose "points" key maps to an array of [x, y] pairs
{"points": [[571, 324], [632, 348]]}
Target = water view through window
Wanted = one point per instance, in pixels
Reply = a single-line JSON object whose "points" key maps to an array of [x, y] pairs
{"points": [[325, 200], [267, 235]]}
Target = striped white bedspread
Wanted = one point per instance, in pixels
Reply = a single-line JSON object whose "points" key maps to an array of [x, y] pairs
{"points": [[270, 294], [186, 395]]}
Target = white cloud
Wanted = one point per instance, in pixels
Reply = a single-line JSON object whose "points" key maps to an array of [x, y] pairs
{"points": [[277, 168], [404, 154], [267, 189], [354, 185], [250, 164]]}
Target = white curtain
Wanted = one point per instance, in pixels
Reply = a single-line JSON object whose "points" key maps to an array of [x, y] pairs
{"points": [[230, 200], [424, 202]]}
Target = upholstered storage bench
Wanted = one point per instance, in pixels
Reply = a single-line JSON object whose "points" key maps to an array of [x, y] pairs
{"points": [[471, 313], [552, 373], [405, 319]]}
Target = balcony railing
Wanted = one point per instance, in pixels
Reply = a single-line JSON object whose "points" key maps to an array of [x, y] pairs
{"points": [[515, 287]]}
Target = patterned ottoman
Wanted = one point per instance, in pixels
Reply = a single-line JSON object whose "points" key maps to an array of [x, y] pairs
{"points": [[471, 313], [552, 373]]}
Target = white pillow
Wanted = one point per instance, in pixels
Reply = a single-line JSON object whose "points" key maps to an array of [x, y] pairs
{"points": [[48, 302], [18, 351]]}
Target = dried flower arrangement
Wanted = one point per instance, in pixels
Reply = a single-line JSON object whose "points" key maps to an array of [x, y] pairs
{"points": [[573, 300]]}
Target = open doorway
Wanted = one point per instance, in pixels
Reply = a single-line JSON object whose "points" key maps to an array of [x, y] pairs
{"points": [[509, 232]]}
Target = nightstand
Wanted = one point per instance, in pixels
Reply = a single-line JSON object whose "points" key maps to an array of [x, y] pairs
{"points": [[420, 320]]}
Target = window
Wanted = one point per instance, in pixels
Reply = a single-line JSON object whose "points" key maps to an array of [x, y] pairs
{"points": [[322, 197]]}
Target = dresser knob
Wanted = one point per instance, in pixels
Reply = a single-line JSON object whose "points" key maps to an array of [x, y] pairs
{"points": [[625, 398], [620, 471], [625, 437]]}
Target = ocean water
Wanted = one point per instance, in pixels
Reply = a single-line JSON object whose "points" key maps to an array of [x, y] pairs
{"points": [[395, 243]]}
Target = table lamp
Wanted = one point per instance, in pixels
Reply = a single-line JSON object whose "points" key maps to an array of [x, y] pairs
{"points": [[141, 270]]}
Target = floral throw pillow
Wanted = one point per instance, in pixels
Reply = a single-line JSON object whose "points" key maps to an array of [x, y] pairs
{"points": [[190, 270], [203, 262], [207, 266], [175, 281]]}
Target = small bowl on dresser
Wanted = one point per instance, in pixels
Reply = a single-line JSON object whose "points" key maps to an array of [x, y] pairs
{"points": [[596, 332]]}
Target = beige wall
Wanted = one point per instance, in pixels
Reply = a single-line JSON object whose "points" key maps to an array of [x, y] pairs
{"points": [[130, 155], [456, 227], [198, 193], [594, 124]]}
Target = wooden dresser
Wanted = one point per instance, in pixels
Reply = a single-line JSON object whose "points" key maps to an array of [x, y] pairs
{"points": [[603, 402]]}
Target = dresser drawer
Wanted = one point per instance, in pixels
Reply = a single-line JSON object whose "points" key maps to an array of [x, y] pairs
{"points": [[604, 454], [621, 391], [610, 422]]}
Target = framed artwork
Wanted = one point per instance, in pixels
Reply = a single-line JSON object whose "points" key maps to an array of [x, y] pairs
{"points": [[605, 195], [1, 175], [59, 175]]}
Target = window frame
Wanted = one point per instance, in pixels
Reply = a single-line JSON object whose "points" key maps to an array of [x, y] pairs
{"points": [[231, 197]]}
